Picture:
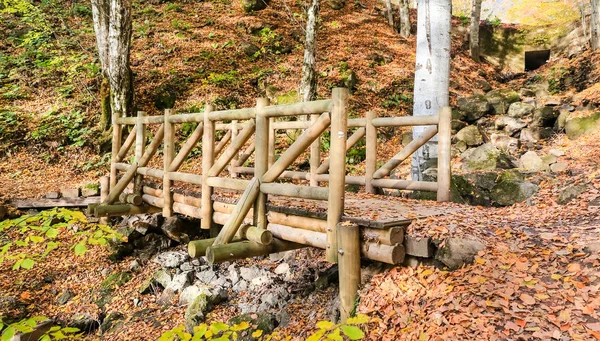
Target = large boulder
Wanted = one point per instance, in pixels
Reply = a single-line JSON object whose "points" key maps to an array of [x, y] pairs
{"points": [[544, 117], [485, 157], [254, 5], [509, 124], [472, 108], [511, 190], [456, 252], [520, 109], [576, 127], [200, 305], [501, 99], [470, 135]]}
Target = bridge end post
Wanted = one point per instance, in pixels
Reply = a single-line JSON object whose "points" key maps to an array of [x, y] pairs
{"points": [[262, 161], [337, 169], [348, 267], [208, 159], [444, 176]]}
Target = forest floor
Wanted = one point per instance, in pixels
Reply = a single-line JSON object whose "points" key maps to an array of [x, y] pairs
{"points": [[538, 277]]}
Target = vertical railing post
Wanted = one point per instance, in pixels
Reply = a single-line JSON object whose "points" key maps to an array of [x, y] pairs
{"points": [[140, 144], [104, 190], [262, 160], [337, 169], [168, 155], [116, 145], [234, 134], [208, 158], [272, 135], [444, 176], [349, 267], [315, 155], [371, 153]]}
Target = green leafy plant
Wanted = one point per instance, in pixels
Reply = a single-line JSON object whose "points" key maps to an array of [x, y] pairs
{"points": [[222, 79], [329, 331], [39, 233], [217, 331], [396, 101], [27, 325]]}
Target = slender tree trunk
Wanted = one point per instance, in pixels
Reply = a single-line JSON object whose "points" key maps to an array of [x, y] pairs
{"points": [[404, 19], [308, 84], [474, 34], [388, 12], [432, 73], [595, 24]]}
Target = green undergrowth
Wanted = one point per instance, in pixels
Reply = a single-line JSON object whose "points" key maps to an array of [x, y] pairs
{"points": [[29, 239], [219, 331], [27, 325]]}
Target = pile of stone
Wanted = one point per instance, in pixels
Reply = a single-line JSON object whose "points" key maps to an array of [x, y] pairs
{"points": [[496, 135]]}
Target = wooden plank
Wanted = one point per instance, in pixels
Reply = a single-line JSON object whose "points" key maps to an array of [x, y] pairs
{"points": [[48, 203]]}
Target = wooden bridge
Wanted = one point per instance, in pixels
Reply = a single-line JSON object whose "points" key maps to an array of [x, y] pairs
{"points": [[273, 213]]}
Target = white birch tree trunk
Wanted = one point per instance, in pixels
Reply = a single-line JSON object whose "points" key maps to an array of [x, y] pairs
{"points": [[432, 73], [112, 24], [308, 84], [388, 12], [404, 19], [474, 30], [595, 25], [119, 75]]}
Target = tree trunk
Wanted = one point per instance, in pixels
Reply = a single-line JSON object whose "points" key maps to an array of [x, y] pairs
{"points": [[119, 75], [112, 24], [474, 34], [432, 73], [308, 85], [595, 24], [404, 19], [389, 14]]}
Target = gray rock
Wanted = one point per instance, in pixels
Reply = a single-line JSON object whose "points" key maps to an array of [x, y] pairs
{"points": [[65, 297], [485, 157], [470, 135], [556, 152], [501, 99], [419, 247], [504, 142], [249, 49], [52, 195], [197, 309], [259, 321], [575, 127], [134, 265], [544, 117], [456, 252], [179, 282], [189, 294], [187, 267], [592, 247], [483, 84], [206, 276], [162, 277], [549, 160], [254, 5], [241, 285], [569, 193], [84, 322], [233, 275], [90, 191], [70, 192], [282, 269], [510, 125], [524, 92], [509, 192], [559, 167], [561, 121], [171, 259], [252, 272], [456, 125], [530, 161], [472, 108], [520, 109], [535, 134]]}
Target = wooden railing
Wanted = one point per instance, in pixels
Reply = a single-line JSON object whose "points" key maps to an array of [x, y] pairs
{"points": [[248, 229]]}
